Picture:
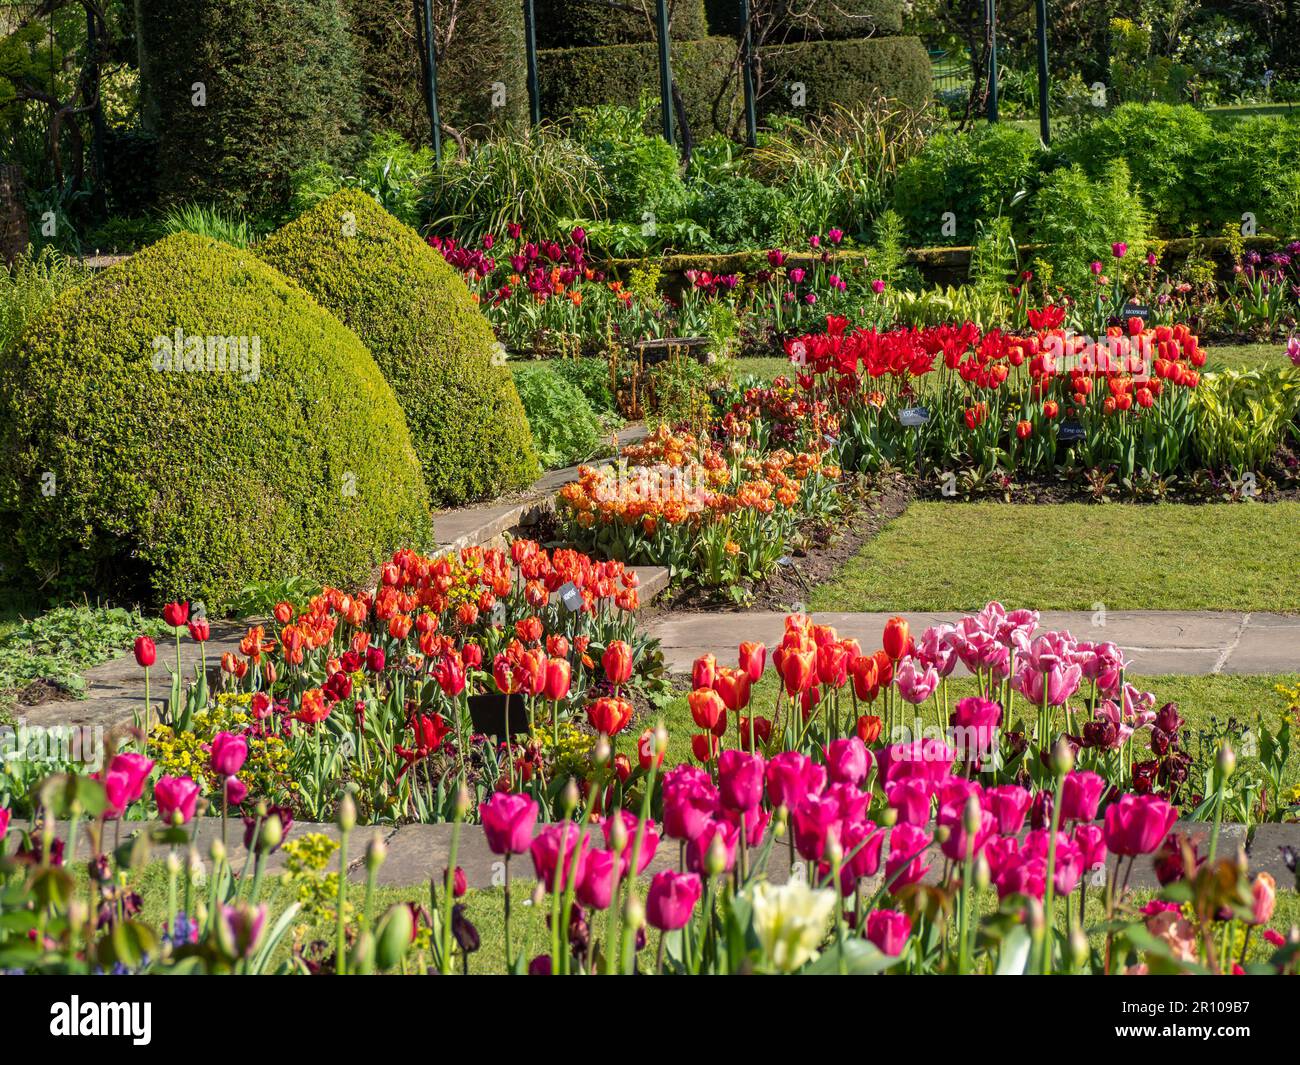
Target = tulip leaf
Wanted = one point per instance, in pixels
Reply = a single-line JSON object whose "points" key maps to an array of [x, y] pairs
{"points": [[1014, 956], [860, 958]]}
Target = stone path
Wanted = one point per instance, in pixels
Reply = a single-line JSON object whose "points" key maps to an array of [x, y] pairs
{"points": [[418, 852], [1155, 641]]}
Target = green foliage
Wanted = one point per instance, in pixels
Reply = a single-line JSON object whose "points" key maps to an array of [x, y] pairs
{"points": [[583, 23], [641, 171], [479, 44], [847, 19], [591, 378], [396, 175], [60, 645], [435, 348], [280, 92], [565, 428], [31, 285], [680, 386], [848, 73], [1077, 219], [744, 213], [1164, 147], [534, 177], [975, 176], [1252, 166], [1242, 417], [229, 227], [1141, 73], [120, 475]]}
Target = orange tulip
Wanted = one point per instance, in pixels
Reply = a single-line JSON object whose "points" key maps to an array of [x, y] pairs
{"points": [[707, 708], [733, 686], [609, 716], [895, 638], [799, 671]]}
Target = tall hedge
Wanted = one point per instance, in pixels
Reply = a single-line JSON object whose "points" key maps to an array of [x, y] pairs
{"points": [[243, 94], [436, 349], [845, 73], [587, 23], [570, 78], [124, 471], [484, 53], [828, 19]]}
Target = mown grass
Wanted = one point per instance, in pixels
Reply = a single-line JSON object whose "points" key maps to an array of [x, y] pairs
{"points": [[958, 556]]}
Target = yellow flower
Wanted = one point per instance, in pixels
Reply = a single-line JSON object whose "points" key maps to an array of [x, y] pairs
{"points": [[791, 921]]}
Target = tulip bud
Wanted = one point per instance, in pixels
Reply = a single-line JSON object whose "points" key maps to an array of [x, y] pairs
{"points": [[1037, 924], [1079, 949], [174, 865], [217, 852], [462, 802], [618, 835], [539, 895], [715, 861], [601, 751], [196, 871], [394, 938], [781, 822], [201, 914], [634, 909], [1227, 761], [260, 809], [972, 816], [376, 852], [569, 797], [941, 833], [362, 960], [346, 818], [661, 739], [888, 817], [271, 834], [833, 852], [78, 913], [983, 874], [1062, 758]]}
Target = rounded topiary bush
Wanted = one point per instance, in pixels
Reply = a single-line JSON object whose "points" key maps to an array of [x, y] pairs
{"points": [[436, 349], [270, 445]]}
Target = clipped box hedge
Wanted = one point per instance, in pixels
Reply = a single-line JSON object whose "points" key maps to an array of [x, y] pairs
{"points": [[826, 19], [132, 466], [587, 23], [846, 73], [437, 351]]}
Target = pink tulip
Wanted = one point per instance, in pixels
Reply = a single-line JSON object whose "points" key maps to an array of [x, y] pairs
{"points": [[862, 842], [1022, 874], [4, 822], [936, 651], [915, 684], [1091, 841], [910, 797], [1080, 796], [235, 790], [649, 840], [508, 822], [697, 850], [907, 844], [1069, 858], [814, 819], [553, 854], [671, 898], [228, 753], [930, 759], [975, 722], [1000, 852], [1138, 824], [137, 769], [1059, 680], [847, 761], [888, 930], [740, 780], [756, 822], [176, 798], [851, 801], [1009, 804], [116, 785], [791, 777], [690, 800], [600, 876]]}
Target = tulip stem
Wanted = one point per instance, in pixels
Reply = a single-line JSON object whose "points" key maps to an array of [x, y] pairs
{"points": [[1049, 915], [510, 957], [340, 954]]}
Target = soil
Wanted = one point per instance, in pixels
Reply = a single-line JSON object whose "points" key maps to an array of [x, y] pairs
{"points": [[41, 691]]}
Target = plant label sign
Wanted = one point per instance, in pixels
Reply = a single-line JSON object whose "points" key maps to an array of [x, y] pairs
{"points": [[913, 417], [1133, 310], [1070, 432], [571, 597]]}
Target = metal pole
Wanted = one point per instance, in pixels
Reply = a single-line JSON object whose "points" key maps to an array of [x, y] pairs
{"points": [[1044, 113], [530, 49], [991, 14], [747, 66], [431, 70], [665, 71]]}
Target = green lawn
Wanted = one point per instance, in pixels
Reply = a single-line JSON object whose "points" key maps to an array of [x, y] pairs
{"points": [[1245, 356], [958, 556]]}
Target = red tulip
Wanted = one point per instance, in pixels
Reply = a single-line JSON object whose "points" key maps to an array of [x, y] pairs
{"points": [[798, 671], [704, 671], [707, 708], [895, 638], [558, 678], [200, 630], [451, 675], [617, 662], [865, 683], [704, 746], [176, 614], [146, 653], [733, 686], [609, 716], [753, 659]]}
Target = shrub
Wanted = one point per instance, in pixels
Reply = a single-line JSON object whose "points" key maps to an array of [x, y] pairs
{"points": [[845, 74], [591, 378], [583, 23], [1077, 219], [565, 429], [190, 484], [842, 19], [641, 170], [534, 177], [1164, 147], [485, 47], [975, 176], [743, 213], [1247, 169], [29, 286], [395, 174], [573, 78], [280, 92], [415, 314]]}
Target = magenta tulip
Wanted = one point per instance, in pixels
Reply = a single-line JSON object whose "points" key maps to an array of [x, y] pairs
{"points": [[1009, 804], [176, 798], [671, 899], [847, 761], [740, 780], [791, 777], [1138, 824], [137, 769], [228, 753], [508, 822], [553, 854], [888, 930], [697, 850], [1080, 796], [600, 876]]}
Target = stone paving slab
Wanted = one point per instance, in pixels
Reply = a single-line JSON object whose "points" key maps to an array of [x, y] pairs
{"points": [[1156, 641]]}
